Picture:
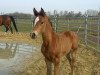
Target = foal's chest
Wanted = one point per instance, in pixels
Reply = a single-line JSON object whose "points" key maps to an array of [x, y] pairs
{"points": [[50, 53]]}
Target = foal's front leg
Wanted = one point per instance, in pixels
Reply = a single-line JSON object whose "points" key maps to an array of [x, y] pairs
{"points": [[49, 67], [57, 67]]}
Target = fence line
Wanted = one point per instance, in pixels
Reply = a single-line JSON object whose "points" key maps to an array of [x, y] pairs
{"points": [[88, 29]]}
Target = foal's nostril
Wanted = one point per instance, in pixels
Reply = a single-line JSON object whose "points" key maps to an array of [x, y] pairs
{"points": [[32, 35]]}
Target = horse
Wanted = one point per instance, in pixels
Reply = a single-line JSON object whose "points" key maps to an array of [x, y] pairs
{"points": [[55, 45], [6, 21]]}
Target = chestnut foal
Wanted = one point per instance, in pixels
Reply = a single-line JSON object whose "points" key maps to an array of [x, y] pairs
{"points": [[54, 45]]}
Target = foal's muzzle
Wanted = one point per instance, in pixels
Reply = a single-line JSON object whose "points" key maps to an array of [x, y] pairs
{"points": [[33, 35]]}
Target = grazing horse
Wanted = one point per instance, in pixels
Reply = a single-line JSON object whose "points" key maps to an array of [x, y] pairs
{"points": [[6, 21], [54, 45]]}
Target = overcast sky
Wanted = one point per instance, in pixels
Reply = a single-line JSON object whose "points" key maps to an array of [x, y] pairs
{"points": [[26, 6]]}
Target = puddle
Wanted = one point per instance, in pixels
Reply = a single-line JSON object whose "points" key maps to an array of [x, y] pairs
{"points": [[11, 54]]}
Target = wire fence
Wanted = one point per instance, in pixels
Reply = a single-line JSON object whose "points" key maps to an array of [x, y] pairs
{"points": [[87, 28]]}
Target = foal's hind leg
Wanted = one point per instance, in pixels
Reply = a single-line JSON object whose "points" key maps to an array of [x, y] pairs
{"points": [[71, 58]]}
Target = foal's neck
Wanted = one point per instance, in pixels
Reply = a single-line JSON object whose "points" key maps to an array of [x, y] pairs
{"points": [[48, 34]]}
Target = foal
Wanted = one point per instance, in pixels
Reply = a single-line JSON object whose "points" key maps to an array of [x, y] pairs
{"points": [[54, 45]]}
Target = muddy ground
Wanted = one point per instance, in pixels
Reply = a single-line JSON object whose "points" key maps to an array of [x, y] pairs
{"points": [[87, 60]]}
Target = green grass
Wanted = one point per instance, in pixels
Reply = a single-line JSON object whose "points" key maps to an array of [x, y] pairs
{"points": [[24, 25]]}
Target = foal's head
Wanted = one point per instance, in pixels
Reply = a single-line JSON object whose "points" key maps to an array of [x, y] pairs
{"points": [[39, 23]]}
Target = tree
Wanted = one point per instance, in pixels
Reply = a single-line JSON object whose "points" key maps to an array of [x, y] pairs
{"points": [[79, 14], [61, 13], [70, 14], [65, 13]]}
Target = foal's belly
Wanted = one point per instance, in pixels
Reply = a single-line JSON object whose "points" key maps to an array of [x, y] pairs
{"points": [[65, 46]]}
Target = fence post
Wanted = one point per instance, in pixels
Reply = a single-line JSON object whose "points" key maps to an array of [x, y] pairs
{"points": [[68, 24], [55, 23], [31, 20], [16, 18], [86, 17], [98, 33]]}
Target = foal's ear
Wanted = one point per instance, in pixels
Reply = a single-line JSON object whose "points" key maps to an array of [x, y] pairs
{"points": [[35, 12], [42, 13]]}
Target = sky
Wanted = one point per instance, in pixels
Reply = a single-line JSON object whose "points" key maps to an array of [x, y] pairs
{"points": [[26, 6]]}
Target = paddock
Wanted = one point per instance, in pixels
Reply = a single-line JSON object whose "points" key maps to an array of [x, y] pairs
{"points": [[88, 54]]}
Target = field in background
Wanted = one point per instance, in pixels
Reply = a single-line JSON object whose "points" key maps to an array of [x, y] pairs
{"points": [[23, 25]]}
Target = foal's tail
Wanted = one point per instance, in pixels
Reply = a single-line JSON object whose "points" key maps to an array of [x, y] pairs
{"points": [[14, 24]]}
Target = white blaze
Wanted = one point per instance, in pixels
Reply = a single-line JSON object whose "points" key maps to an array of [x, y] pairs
{"points": [[36, 20]]}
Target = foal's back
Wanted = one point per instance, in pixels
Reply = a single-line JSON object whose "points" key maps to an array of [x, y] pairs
{"points": [[68, 41]]}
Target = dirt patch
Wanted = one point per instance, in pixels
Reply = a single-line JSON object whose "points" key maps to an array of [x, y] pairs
{"points": [[87, 60]]}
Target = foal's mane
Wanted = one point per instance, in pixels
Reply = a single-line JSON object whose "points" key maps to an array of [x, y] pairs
{"points": [[50, 22]]}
